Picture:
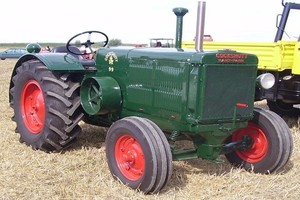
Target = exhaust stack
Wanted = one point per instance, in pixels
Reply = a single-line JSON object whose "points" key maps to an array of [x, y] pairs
{"points": [[179, 12], [200, 26]]}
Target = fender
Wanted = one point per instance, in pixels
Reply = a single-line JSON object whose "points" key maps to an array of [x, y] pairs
{"points": [[53, 61]]}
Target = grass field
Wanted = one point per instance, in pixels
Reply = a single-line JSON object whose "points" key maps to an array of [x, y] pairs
{"points": [[81, 172]]}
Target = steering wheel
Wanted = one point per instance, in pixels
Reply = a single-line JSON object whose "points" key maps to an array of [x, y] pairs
{"points": [[90, 38]]}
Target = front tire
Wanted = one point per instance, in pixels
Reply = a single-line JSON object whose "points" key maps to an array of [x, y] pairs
{"points": [[138, 155], [272, 143], [46, 107]]}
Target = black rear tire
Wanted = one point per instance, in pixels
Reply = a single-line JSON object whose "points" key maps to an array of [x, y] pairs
{"points": [[46, 107], [272, 143], [282, 108]]}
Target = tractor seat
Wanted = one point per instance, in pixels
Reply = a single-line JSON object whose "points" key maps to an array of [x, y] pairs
{"points": [[82, 60]]}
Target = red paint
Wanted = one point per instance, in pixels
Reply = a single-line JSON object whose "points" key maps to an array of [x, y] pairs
{"points": [[130, 157], [242, 105], [33, 107], [260, 146], [231, 58]]}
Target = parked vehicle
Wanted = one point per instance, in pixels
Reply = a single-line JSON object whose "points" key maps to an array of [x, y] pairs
{"points": [[162, 42], [12, 53], [281, 58], [150, 99], [18, 52]]}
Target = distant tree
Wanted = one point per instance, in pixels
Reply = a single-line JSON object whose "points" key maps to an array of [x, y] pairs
{"points": [[115, 42]]}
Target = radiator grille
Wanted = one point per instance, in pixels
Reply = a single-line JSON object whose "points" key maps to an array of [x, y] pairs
{"points": [[223, 86]]}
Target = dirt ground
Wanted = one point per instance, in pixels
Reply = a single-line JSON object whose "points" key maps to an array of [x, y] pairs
{"points": [[81, 172]]}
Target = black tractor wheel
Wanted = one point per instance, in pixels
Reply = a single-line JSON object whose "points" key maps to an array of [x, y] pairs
{"points": [[165, 143], [271, 143], [46, 107], [137, 154], [282, 108], [287, 141]]}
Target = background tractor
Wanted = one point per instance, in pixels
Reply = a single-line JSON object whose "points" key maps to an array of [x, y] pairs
{"points": [[150, 99]]}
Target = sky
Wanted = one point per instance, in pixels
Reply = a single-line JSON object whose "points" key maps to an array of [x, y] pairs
{"points": [[136, 21]]}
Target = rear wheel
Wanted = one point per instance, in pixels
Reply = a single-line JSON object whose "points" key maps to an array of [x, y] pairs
{"points": [[272, 143], [137, 155], [282, 108], [46, 107]]}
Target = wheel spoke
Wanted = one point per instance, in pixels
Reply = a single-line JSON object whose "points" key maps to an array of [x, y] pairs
{"points": [[94, 96]]}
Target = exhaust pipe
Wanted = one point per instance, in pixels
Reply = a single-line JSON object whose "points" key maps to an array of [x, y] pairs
{"points": [[179, 12], [200, 26]]}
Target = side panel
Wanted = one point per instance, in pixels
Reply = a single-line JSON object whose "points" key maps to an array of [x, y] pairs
{"points": [[140, 77], [153, 82], [170, 88], [157, 87]]}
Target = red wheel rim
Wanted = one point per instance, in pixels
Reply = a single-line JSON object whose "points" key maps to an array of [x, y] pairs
{"points": [[260, 145], [130, 157], [33, 106]]}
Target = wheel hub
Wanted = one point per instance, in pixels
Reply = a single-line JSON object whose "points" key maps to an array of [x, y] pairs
{"points": [[33, 107], [130, 157], [259, 148]]}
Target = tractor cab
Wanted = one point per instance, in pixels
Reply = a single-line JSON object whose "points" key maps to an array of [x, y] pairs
{"points": [[285, 26]]}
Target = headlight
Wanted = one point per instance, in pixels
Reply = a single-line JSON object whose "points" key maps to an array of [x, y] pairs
{"points": [[266, 80]]}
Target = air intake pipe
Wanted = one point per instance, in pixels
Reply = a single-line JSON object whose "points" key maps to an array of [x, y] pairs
{"points": [[179, 12], [200, 26]]}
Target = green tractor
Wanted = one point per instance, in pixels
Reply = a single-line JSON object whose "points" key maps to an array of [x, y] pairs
{"points": [[150, 99]]}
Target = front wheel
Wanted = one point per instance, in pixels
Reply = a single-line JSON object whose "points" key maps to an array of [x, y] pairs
{"points": [[271, 143], [138, 154]]}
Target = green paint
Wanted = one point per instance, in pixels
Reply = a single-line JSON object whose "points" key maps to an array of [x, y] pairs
{"points": [[186, 93]]}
